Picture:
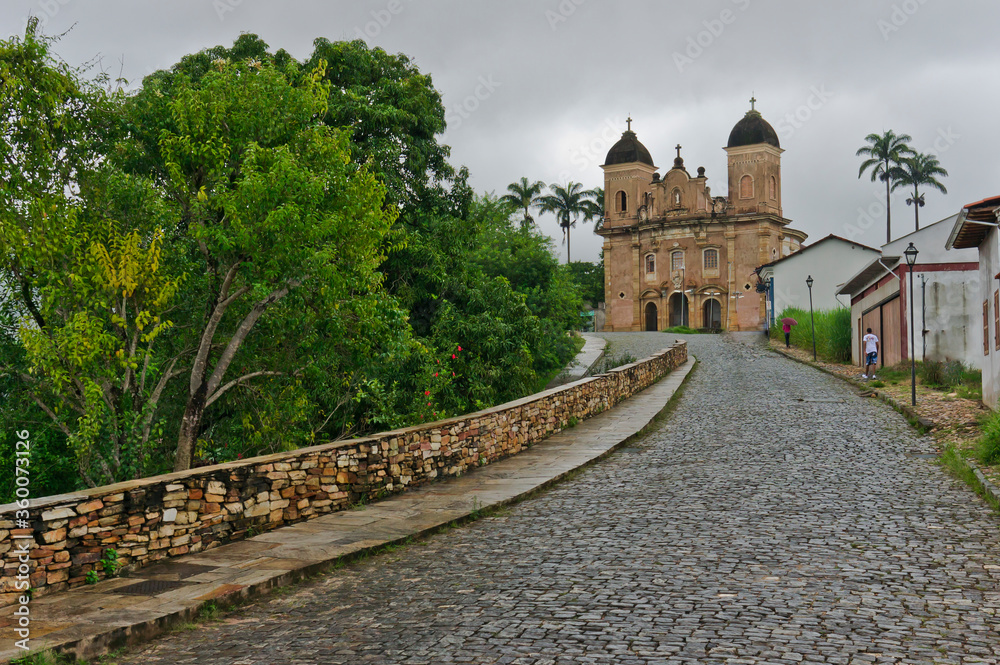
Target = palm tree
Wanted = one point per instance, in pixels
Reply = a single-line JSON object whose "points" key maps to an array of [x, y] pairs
{"points": [[919, 170], [569, 203], [525, 195], [885, 153]]}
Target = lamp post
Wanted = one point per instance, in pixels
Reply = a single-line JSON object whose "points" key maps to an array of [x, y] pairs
{"points": [[911, 257], [812, 319]]}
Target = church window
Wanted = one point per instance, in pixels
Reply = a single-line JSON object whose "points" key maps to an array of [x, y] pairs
{"points": [[773, 187], [677, 261], [711, 259], [621, 202], [650, 264], [746, 187]]}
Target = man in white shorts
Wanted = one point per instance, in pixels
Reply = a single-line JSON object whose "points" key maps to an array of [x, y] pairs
{"points": [[871, 354]]}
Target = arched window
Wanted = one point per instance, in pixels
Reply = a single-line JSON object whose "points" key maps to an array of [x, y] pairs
{"points": [[650, 264], [621, 202], [746, 187], [773, 187], [677, 260], [711, 257]]}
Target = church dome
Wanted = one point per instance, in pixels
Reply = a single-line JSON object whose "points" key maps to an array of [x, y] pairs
{"points": [[752, 129], [627, 150]]}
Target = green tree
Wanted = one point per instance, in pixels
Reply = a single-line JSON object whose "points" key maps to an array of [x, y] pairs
{"points": [[570, 203], [589, 278], [884, 154], [83, 294], [525, 195], [270, 205], [916, 171]]}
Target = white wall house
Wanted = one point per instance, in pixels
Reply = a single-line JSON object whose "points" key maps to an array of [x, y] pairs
{"points": [[945, 286], [975, 229], [829, 262]]}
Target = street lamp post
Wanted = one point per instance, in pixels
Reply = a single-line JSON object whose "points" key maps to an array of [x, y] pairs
{"points": [[911, 257], [812, 319]]}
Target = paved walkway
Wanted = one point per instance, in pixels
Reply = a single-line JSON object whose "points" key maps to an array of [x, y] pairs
{"points": [[775, 517], [89, 619], [592, 351]]}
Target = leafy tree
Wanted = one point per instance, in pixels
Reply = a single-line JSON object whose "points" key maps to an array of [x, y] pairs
{"points": [[916, 171], [270, 204], [589, 277], [884, 153], [568, 204], [525, 195]]}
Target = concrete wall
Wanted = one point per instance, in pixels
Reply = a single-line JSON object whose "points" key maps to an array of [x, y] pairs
{"points": [[830, 264], [989, 265], [953, 321], [165, 516]]}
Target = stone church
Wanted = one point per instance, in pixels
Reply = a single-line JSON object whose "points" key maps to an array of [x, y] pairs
{"points": [[676, 255]]}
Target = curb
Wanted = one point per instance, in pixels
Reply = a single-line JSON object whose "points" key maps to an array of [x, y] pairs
{"points": [[92, 646]]}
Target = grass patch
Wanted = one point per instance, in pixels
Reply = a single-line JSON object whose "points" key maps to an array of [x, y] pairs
{"points": [[833, 332], [953, 461], [987, 449], [608, 363], [682, 330]]}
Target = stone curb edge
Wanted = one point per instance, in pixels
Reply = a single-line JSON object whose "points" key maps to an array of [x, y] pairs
{"points": [[95, 645], [986, 485]]}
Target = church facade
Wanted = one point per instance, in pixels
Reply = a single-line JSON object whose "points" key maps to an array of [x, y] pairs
{"points": [[676, 255]]}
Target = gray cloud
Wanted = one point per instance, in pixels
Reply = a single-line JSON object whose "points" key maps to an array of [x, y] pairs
{"points": [[563, 75]]}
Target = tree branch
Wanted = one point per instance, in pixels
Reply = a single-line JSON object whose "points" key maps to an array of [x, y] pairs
{"points": [[235, 382], [246, 325], [222, 302]]}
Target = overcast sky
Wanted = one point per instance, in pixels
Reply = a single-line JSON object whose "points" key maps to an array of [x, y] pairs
{"points": [[541, 88]]}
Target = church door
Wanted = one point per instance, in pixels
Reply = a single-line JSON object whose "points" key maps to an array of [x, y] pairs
{"points": [[713, 314], [651, 317], [678, 310]]}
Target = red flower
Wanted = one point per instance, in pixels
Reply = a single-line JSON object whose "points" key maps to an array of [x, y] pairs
{"points": [[453, 356], [427, 392], [435, 373], [428, 403], [239, 455], [459, 348]]}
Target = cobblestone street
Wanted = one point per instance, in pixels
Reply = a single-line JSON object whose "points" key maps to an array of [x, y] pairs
{"points": [[773, 517]]}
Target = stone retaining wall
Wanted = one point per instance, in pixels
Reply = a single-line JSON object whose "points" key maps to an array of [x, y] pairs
{"points": [[170, 515]]}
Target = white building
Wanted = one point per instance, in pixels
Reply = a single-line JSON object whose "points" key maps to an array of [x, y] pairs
{"points": [[975, 229], [829, 262], [945, 283]]}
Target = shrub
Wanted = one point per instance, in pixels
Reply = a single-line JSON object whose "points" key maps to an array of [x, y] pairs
{"points": [[932, 373]]}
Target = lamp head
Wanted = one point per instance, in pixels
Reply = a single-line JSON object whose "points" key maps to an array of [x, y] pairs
{"points": [[911, 255], [809, 281]]}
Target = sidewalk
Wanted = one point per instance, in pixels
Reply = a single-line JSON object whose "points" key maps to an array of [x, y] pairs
{"points": [[592, 351], [89, 621]]}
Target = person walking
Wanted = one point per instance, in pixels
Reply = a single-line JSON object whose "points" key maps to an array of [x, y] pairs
{"points": [[786, 327], [871, 354]]}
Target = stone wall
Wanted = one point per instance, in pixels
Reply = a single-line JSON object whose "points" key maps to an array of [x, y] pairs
{"points": [[170, 515]]}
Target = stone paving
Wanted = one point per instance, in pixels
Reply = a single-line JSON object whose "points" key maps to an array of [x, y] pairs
{"points": [[774, 517]]}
